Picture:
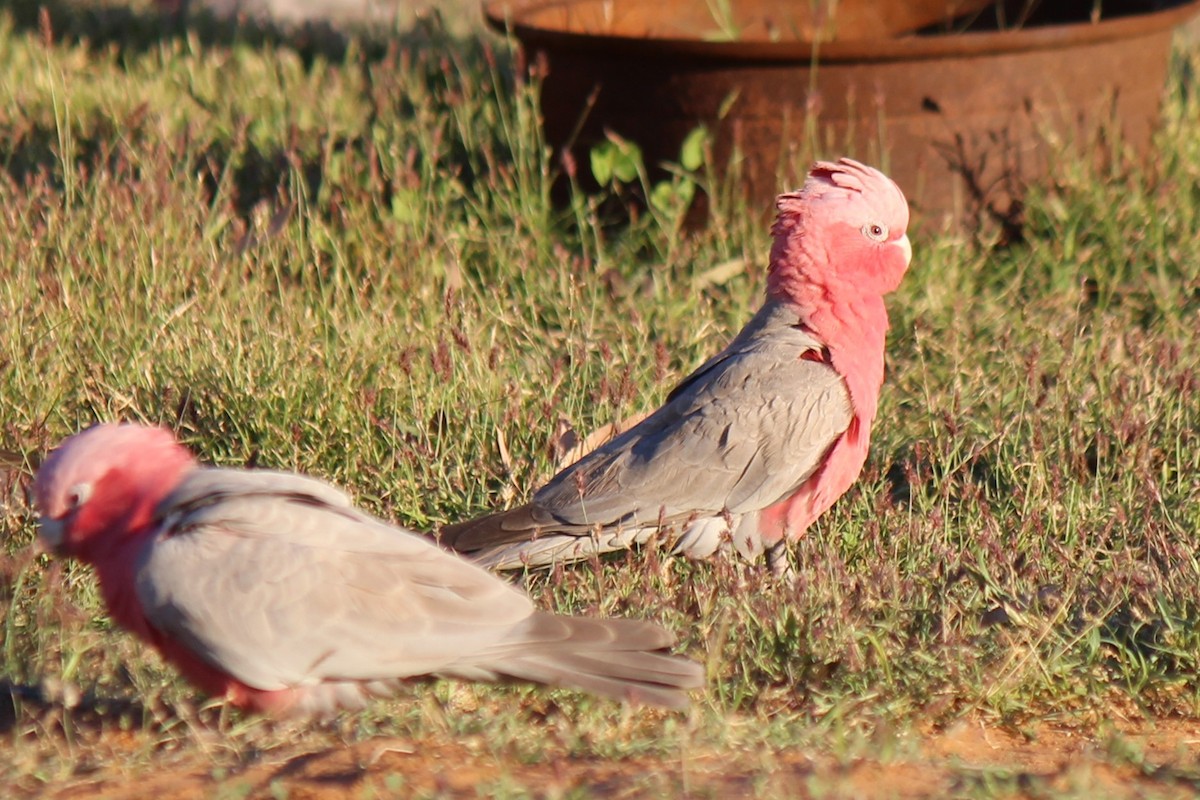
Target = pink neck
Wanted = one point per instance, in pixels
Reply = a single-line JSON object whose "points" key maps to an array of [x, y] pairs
{"points": [[851, 322], [116, 568]]}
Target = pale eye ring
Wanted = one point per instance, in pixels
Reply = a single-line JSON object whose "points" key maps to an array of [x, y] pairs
{"points": [[79, 494], [876, 231]]}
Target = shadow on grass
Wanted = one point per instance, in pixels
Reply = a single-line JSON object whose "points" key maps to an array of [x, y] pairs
{"points": [[130, 31], [18, 701], [247, 171], [31, 158]]}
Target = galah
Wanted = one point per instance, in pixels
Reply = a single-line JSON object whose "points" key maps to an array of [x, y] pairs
{"points": [[273, 591], [762, 438]]}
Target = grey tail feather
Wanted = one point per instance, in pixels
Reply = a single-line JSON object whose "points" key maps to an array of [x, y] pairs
{"points": [[512, 540], [619, 658], [547, 550], [489, 531]]}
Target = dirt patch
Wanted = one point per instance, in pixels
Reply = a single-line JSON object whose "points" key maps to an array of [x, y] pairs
{"points": [[1158, 759]]}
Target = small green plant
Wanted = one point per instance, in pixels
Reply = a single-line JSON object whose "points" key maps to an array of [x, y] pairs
{"points": [[617, 163]]}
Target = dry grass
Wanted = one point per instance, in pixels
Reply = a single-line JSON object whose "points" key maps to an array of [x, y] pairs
{"points": [[342, 258]]}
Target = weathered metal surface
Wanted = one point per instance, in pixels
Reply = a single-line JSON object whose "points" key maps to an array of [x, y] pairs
{"points": [[962, 121], [760, 21]]}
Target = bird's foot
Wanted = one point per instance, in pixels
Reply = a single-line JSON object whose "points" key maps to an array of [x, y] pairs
{"points": [[780, 563]]}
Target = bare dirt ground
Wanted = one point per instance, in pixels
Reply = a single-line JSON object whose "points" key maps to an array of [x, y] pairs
{"points": [[1159, 759]]}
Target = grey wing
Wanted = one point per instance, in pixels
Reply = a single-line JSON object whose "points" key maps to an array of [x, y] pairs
{"points": [[263, 578], [743, 432], [211, 486]]}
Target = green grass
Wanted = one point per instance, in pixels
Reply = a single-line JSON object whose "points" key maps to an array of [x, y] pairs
{"points": [[344, 260]]}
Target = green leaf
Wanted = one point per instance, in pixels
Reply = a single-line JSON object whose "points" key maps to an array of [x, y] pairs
{"points": [[601, 157], [627, 161], [685, 192], [672, 197], [662, 196], [691, 155]]}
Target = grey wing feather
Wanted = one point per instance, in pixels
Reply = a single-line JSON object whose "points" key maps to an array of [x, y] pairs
{"points": [[278, 581], [740, 433], [210, 486], [292, 590]]}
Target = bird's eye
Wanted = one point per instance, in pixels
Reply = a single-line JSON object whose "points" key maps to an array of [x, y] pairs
{"points": [[78, 494], [875, 231]]}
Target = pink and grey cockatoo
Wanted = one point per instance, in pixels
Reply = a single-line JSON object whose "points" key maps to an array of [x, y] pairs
{"points": [[272, 590], [759, 441]]}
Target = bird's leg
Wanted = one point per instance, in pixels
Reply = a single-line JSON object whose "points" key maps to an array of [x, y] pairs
{"points": [[778, 561]]}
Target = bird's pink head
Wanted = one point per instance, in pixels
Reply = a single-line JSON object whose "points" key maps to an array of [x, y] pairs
{"points": [[102, 484], [844, 232]]}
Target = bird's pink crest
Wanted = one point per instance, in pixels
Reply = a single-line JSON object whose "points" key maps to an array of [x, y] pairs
{"points": [[852, 186], [104, 479]]}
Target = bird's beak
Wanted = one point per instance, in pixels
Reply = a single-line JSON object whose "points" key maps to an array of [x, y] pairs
{"points": [[907, 247], [51, 532]]}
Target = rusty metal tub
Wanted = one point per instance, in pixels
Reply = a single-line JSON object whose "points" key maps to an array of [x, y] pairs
{"points": [[961, 120]]}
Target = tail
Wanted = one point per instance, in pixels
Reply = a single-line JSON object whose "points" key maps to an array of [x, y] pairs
{"points": [[619, 658], [490, 531], [520, 538]]}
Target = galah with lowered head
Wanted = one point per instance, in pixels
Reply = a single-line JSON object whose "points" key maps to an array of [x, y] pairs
{"points": [[273, 591]]}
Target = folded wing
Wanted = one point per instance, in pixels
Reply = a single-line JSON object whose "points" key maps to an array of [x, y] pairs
{"points": [[277, 580], [744, 431]]}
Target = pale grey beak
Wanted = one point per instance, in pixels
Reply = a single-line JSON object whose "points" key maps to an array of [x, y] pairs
{"points": [[50, 535], [903, 242]]}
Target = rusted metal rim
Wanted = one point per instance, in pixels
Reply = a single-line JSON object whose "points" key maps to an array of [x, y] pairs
{"points": [[503, 17]]}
